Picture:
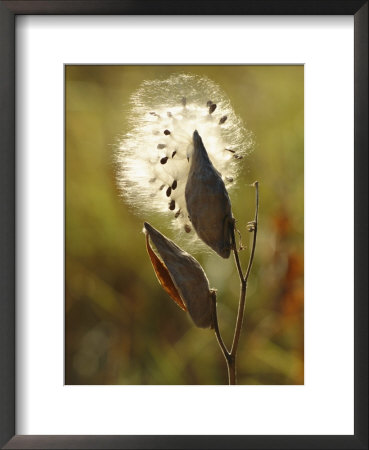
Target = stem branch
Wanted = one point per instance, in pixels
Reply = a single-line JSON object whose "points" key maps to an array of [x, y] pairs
{"points": [[230, 357], [244, 279], [236, 256], [216, 327]]}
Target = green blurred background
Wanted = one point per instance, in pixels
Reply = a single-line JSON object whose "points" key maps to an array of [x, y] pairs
{"points": [[120, 326]]}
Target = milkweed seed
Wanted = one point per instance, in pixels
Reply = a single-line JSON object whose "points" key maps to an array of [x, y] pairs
{"points": [[166, 132], [174, 153], [169, 191], [164, 160], [209, 103], [172, 205], [169, 114], [230, 150], [154, 114], [237, 156], [174, 184], [187, 228], [222, 120], [229, 179], [212, 108], [161, 146], [161, 187], [152, 180], [176, 215]]}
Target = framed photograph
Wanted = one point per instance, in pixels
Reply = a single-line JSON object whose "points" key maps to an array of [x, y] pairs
{"points": [[185, 191]]}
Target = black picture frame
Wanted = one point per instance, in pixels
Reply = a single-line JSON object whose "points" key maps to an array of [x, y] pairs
{"points": [[8, 12]]}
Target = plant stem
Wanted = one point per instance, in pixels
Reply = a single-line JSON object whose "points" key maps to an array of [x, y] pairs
{"points": [[244, 279], [216, 327], [231, 356], [229, 359], [231, 364], [255, 230], [236, 256]]}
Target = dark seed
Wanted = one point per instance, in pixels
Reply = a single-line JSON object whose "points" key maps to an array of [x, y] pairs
{"points": [[172, 205], [161, 146], [212, 108], [230, 150], [152, 180], [209, 103], [161, 187], [166, 132], [164, 160], [237, 156], [169, 191], [184, 101], [222, 120], [229, 179], [187, 228], [174, 153], [174, 184], [177, 213]]}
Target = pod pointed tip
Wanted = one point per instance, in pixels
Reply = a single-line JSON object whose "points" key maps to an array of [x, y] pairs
{"points": [[147, 227], [197, 141]]}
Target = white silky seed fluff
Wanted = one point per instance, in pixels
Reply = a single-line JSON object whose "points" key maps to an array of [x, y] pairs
{"points": [[153, 158]]}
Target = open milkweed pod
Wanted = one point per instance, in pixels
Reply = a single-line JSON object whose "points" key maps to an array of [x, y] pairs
{"points": [[182, 277], [152, 159], [208, 203]]}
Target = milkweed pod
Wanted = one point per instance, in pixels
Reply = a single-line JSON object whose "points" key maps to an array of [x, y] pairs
{"points": [[208, 203], [187, 285]]}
